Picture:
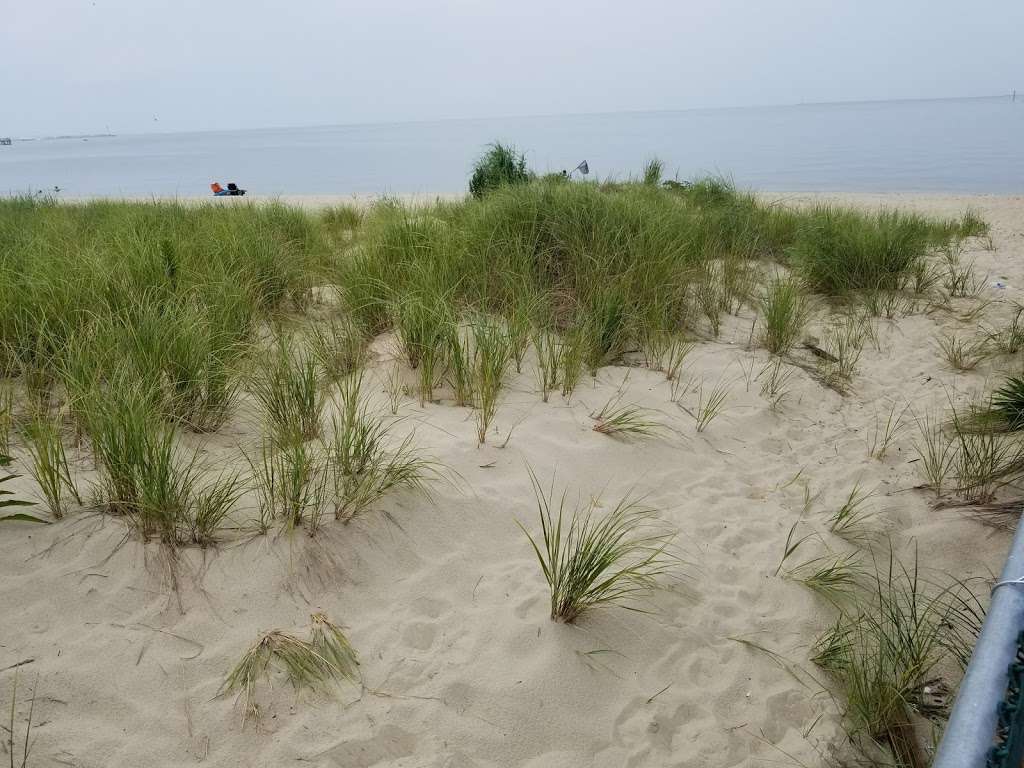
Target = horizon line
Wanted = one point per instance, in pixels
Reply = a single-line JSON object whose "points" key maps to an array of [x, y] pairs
{"points": [[539, 115]]}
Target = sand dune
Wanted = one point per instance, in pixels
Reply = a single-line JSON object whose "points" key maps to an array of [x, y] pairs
{"points": [[446, 606]]}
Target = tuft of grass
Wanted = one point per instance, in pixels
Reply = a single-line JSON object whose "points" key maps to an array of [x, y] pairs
{"points": [[784, 312], [960, 280], [963, 354], [185, 349], [606, 326], [985, 460], [339, 346], [710, 404], [837, 578], [342, 216], [775, 382], [324, 659], [665, 351], [572, 356], [492, 355], [590, 559], [625, 420], [50, 465], [793, 543], [844, 341], [840, 251], [675, 355], [654, 343], [460, 364], [549, 353], [363, 468], [709, 293], [618, 420], [27, 741], [499, 166], [291, 483], [740, 281], [519, 325], [885, 433], [847, 522], [210, 507], [287, 388], [936, 451], [972, 225], [885, 649], [887, 303], [143, 476], [328, 640], [393, 387], [652, 172], [424, 329], [1010, 340]]}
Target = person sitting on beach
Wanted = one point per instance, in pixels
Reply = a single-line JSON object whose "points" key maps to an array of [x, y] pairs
{"points": [[218, 190], [234, 190]]}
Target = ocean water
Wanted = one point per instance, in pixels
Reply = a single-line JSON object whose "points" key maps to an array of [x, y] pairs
{"points": [[948, 145]]}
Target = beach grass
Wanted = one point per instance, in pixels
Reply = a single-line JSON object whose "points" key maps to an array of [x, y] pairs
{"points": [[290, 477], [366, 460], [590, 559], [492, 355], [784, 313], [49, 465], [499, 165], [899, 634], [148, 325], [18, 755], [286, 385], [326, 658], [618, 419]]}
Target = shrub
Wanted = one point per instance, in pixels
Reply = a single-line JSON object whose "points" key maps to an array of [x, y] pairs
{"points": [[501, 164]]}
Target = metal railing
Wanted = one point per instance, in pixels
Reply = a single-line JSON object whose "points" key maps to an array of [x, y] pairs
{"points": [[986, 726]]}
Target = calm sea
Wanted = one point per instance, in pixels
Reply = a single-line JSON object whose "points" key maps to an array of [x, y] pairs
{"points": [[949, 145]]}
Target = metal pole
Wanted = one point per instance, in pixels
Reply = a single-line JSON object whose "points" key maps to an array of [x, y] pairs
{"points": [[972, 723]]}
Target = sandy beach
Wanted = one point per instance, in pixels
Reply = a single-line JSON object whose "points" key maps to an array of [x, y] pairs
{"points": [[442, 597]]}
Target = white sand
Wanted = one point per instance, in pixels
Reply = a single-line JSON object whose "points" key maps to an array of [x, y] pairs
{"points": [[447, 607]]}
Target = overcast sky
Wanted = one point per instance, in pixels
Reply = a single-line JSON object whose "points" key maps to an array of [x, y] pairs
{"points": [[80, 66]]}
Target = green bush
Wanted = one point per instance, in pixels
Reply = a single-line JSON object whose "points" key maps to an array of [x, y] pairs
{"points": [[499, 165]]}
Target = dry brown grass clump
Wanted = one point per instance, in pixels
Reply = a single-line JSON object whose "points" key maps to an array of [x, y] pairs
{"points": [[326, 658]]}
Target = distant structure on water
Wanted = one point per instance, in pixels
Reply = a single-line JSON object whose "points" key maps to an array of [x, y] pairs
{"points": [[5, 142]]}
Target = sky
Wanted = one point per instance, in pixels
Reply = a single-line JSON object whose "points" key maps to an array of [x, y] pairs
{"points": [[139, 66]]}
